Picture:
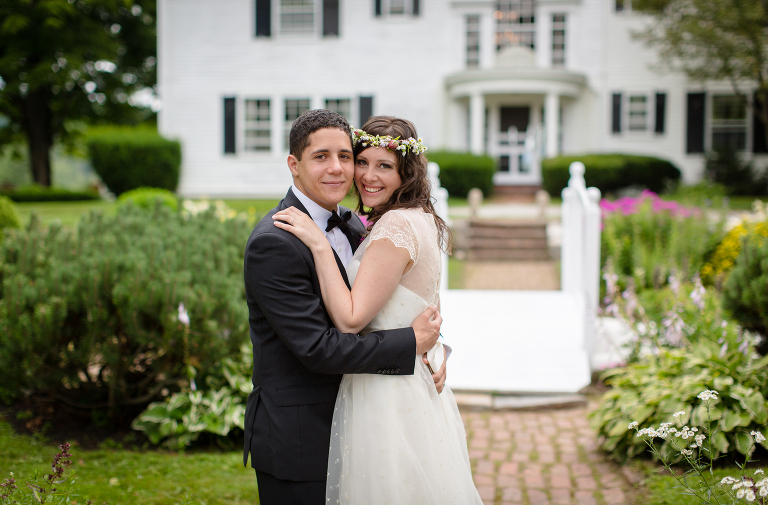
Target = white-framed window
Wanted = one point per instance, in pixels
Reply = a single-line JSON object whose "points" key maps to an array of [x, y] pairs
{"points": [[258, 130], [729, 123], [297, 17], [558, 40], [396, 7], [473, 41], [515, 23], [342, 106], [294, 107], [623, 5], [637, 113]]}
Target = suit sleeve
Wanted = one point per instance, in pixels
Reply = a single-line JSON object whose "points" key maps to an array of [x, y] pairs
{"points": [[279, 278]]}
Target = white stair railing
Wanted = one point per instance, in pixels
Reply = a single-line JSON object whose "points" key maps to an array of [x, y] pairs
{"points": [[440, 202], [580, 257]]}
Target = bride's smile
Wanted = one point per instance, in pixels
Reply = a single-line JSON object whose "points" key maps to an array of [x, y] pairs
{"points": [[376, 175]]}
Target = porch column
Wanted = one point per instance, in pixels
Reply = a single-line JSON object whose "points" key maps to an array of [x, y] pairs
{"points": [[552, 121], [477, 123]]}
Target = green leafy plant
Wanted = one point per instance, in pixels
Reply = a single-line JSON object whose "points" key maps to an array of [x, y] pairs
{"points": [[725, 166], [657, 386], [647, 239], [610, 172], [147, 198], [130, 158], [745, 292], [461, 171], [9, 218], [92, 318], [217, 408]]}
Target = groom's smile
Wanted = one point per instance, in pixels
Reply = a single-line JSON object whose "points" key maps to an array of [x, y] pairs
{"points": [[326, 168]]}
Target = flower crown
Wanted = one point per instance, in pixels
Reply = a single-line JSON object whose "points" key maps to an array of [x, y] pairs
{"points": [[391, 143]]}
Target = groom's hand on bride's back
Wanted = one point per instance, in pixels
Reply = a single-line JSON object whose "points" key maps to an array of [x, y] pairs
{"points": [[427, 329]]}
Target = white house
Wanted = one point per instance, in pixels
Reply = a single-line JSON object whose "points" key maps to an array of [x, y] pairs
{"points": [[517, 79]]}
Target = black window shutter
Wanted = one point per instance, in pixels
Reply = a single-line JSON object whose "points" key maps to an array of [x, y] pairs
{"points": [[616, 122], [229, 125], [377, 7], [366, 109], [694, 137], [263, 18], [330, 17], [415, 7], [758, 129], [661, 106]]}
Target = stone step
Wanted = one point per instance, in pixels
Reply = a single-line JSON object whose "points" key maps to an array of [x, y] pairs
{"points": [[508, 243], [507, 232], [508, 254]]}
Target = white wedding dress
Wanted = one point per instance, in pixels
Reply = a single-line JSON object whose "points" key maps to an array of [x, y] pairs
{"points": [[394, 440]]}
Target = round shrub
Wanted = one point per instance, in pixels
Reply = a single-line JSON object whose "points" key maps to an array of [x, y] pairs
{"points": [[460, 172], [8, 216], [745, 293], [610, 172], [147, 198], [91, 317], [130, 158]]}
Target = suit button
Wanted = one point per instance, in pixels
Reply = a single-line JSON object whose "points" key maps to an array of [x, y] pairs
{"points": [[397, 370]]}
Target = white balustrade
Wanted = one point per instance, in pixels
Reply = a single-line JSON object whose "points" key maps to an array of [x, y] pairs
{"points": [[580, 256], [440, 202]]}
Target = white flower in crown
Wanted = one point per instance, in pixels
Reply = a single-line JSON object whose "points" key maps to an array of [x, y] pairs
{"points": [[387, 142]]}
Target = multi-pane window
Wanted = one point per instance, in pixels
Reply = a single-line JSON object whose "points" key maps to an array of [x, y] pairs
{"points": [[293, 109], [515, 23], [341, 106], [558, 40], [397, 7], [297, 16], [473, 41], [257, 126], [623, 5], [638, 113], [729, 121]]}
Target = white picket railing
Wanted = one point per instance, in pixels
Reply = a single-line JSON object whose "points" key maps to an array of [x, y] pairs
{"points": [[580, 254]]}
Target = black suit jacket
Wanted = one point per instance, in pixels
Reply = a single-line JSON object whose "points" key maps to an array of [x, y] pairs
{"points": [[298, 356]]}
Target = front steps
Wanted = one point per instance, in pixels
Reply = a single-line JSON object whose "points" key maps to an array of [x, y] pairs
{"points": [[507, 240]]}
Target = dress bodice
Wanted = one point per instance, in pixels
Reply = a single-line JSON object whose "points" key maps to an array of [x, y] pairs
{"points": [[415, 231]]}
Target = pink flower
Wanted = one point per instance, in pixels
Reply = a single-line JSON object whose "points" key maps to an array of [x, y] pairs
{"points": [[392, 144], [364, 220]]}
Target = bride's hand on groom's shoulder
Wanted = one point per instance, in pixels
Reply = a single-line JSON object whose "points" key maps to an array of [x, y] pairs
{"points": [[426, 327], [301, 225]]}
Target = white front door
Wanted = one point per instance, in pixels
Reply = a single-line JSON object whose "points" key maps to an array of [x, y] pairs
{"points": [[514, 146]]}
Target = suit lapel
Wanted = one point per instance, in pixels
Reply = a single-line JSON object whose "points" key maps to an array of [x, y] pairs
{"points": [[290, 200]]}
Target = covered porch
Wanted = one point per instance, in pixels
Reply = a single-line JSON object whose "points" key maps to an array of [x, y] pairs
{"points": [[512, 112]]}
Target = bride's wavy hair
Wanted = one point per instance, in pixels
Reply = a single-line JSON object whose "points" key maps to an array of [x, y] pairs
{"points": [[415, 190]]}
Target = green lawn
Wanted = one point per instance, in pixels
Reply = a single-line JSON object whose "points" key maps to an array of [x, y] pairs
{"points": [[119, 476]]}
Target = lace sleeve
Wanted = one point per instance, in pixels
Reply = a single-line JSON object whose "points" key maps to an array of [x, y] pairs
{"points": [[396, 227]]}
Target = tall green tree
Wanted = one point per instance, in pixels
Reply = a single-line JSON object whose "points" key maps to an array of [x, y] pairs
{"points": [[67, 60], [713, 39]]}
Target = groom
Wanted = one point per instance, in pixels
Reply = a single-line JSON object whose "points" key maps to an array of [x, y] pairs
{"points": [[298, 356]]}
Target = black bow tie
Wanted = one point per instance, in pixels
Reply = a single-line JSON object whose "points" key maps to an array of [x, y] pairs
{"points": [[340, 221]]}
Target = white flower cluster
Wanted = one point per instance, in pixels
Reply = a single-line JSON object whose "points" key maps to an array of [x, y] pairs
{"points": [[678, 414], [746, 488], [193, 208], [709, 394], [391, 143], [758, 436], [662, 432]]}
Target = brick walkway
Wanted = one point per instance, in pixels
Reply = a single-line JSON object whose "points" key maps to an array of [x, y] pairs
{"points": [[540, 458], [511, 275]]}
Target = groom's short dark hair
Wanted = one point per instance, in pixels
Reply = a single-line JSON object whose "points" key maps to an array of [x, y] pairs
{"points": [[311, 121]]}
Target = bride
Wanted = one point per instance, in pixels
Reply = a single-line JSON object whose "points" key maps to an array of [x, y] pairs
{"points": [[394, 440]]}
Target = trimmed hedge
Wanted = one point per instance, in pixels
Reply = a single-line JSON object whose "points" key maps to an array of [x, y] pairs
{"points": [[610, 172], [43, 194], [130, 158], [461, 171], [147, 198]]}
